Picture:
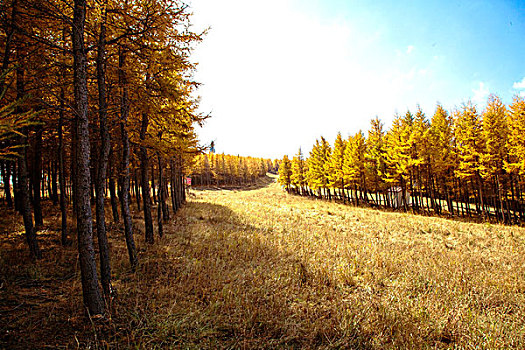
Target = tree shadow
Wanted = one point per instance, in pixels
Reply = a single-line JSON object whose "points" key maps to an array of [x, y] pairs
{"points": [[241, 290]]}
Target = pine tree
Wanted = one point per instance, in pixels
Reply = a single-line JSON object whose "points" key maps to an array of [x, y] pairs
{"points": [[470, 144], [375, 161], [397, 154], [335, 166], [298, 177], [495, 134], [354, 165], [440, 139]]}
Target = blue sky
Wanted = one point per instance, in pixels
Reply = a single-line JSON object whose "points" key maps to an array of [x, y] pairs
{"points": [[278, 74]]}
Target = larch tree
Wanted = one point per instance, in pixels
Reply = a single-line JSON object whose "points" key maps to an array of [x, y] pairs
{"points": [[375, 157], [285, 173], [469, 147], [299, 170], [495, 134], [335, 166]]}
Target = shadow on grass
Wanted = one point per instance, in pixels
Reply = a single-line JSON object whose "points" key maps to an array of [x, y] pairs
{"points": [[216, 284], [214, 281]]}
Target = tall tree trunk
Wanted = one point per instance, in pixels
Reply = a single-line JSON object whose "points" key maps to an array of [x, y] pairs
{"points": [[23, 182], [111, 185], [105, 267], [162, 191], [37, 176], [153, 184], [54, 184], [136, 187], [124, 169], [91, 293], [146, 198], [61, 174]]}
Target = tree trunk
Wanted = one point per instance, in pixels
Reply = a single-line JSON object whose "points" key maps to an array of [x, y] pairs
{"points": [[112, 191], [105, 267], [88, 268], [146, 198], [61, 174], [37, 177], [153, 184], [124, 171], [162, 192], [136, 188], [54, 183]]}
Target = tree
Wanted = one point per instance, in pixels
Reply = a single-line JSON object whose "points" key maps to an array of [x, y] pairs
{"points": [[298, 177], [495, 134], [336, 177], [354, 165], [441, 165], [90, 291], [375, 157], [285, 173], [470, 144]]}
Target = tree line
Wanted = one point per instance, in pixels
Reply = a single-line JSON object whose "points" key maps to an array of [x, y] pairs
{"points": [[96, 102], [228, 170], [463, 163]]}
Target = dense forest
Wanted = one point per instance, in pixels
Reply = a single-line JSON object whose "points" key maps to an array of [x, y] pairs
{"points": [[96, 103], [228, 170], [463, 163]]}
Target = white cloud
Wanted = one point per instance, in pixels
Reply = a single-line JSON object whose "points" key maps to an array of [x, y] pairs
{"points": [[519, 85], [410, 48], [480, 94]]}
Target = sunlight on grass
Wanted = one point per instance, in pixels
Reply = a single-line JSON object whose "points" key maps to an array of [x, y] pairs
{"points": [[266, 269]]}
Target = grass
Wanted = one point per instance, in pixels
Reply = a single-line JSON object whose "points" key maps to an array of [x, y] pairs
{"points": [[264, 269]]}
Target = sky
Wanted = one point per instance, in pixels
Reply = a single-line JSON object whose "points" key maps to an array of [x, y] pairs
{"points": [[278, 74]]}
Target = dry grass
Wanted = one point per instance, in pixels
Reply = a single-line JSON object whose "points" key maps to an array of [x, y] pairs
{"points": [[264, 269]]}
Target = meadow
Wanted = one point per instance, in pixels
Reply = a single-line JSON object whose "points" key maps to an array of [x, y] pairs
{"points": [[260, 268]]}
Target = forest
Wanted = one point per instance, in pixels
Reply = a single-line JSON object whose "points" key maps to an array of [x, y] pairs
{"points": [[96, 102], [120, 229], [463, 164]]}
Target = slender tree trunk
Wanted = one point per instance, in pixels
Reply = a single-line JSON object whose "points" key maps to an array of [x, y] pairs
{"points": [[103, 245], [37, 177], [146, 198], [54, 182], [153, 184], [500, 199], [91, 293], [25, 204], [61, 174], [124, 171], [136, 187], [162, 191], [23, 181], [112, 191]]}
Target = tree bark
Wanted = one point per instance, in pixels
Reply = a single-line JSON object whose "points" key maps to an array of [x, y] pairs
{"points": [[61, 174], [37, 177], [105, 267], [124, 171], [91, 293], [146, 198], [112, 191]]}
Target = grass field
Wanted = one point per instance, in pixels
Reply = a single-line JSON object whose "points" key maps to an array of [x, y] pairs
{"points": [[260, 268]]}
